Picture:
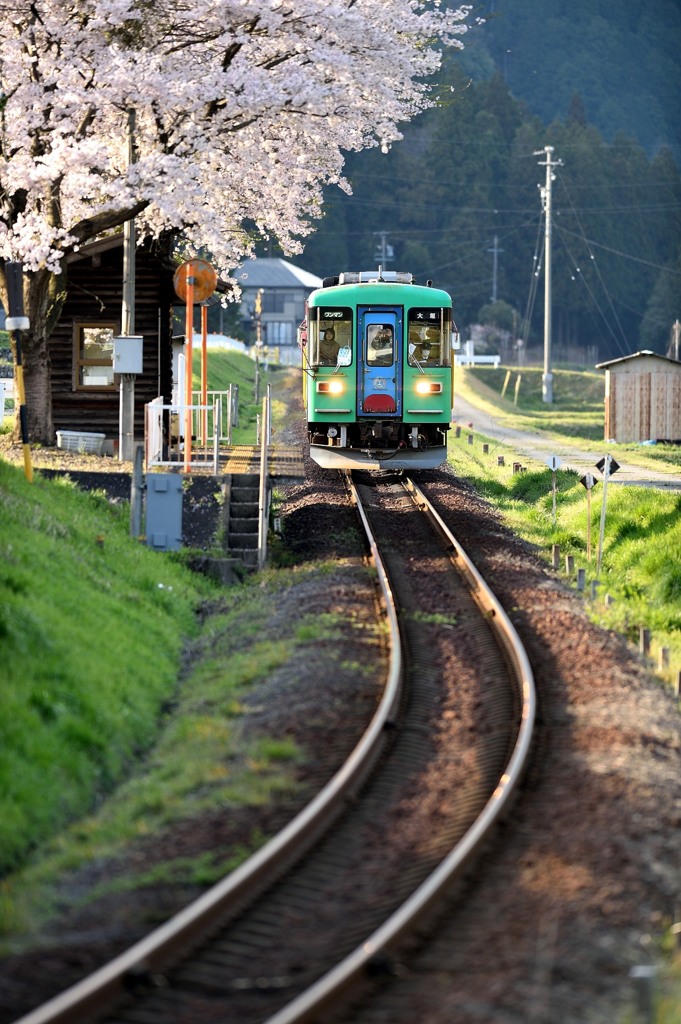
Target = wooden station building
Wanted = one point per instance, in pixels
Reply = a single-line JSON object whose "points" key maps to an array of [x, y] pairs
{"points": [[85, 389]]}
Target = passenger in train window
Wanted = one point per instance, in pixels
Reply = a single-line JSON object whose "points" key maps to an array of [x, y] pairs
{"points": [[431, 346]]}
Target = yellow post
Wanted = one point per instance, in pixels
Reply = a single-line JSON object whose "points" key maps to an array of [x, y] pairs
{"points": [[507, 379], [16, 323], [21, 394], [517, 389]]}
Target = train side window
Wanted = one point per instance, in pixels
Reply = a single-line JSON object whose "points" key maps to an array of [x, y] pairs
{"points": [[329, 331], [429, 337]]}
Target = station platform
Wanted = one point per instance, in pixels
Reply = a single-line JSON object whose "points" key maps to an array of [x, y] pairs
{"points": [[283, 462]]}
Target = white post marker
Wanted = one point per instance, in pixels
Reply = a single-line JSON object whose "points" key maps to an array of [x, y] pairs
{"points": [[553, 462], [588, 481], [607, 466]]}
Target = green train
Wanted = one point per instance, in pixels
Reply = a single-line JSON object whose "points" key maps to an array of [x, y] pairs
{"points": [[378, 364]]}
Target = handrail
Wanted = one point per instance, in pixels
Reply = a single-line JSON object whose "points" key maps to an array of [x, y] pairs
{"points": [[153, 434], [263, 510]]}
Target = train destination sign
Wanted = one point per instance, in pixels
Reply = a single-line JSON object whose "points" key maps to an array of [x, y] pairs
{"points": [[335, 313]]}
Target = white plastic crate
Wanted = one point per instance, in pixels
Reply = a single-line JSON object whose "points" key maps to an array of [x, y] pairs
{"points": [[80, 441]]}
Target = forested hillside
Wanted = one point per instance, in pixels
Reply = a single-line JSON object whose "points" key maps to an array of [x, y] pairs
{"points": [[464, 181], [622, 59]]}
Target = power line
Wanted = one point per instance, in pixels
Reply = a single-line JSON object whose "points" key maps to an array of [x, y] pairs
{"points": [[582, 278], [598, 269], [618, 252], [534, 280]]}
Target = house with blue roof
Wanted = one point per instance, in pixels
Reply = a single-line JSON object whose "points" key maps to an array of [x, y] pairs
{"points": [[280, 290]]}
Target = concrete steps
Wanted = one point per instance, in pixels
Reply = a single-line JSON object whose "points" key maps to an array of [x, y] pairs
{"points": [[241, 518]]}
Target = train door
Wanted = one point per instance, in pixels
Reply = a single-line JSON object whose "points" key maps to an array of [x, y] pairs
{"points": [[379, 346]]}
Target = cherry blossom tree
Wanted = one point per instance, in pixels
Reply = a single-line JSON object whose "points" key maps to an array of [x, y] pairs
{"points": [[242, 112]]}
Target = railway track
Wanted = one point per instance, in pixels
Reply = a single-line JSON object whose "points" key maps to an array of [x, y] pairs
{"points": [[329, 904]]}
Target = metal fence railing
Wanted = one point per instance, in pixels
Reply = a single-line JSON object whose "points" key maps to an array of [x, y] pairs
{"points": [[164, 445], [166, 428], [229, 413]]}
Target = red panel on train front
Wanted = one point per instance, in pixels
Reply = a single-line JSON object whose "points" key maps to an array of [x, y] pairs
{"points": [[379, 403]]}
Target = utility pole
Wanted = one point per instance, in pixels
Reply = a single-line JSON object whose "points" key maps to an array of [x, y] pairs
{"points": [[547, 376], [384, 252], [126, 416], [495, 250], [129, 240]]}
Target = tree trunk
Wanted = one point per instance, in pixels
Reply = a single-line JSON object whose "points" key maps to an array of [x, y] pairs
{"points": [[38, 387], [43, 300]]}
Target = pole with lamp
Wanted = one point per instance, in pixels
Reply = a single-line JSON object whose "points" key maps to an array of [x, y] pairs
{"points": [[194, 281]]}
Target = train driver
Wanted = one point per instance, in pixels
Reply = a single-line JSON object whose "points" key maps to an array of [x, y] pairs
{"points": [[328, 348]]}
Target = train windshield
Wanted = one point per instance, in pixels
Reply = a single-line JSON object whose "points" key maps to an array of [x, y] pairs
{"points": [[380, 345], [330, 330], [430, 337]]}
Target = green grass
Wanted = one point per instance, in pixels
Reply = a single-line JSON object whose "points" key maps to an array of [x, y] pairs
{"points": [[641, 549], [92, 626], [576, 413], [199, 761], [227, 367]]}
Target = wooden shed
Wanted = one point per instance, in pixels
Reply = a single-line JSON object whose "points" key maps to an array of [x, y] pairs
{"points": [[642, 398], [85, 389]]}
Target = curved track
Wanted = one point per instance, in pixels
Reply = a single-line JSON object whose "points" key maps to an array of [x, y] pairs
{"points": [[330, 900]]}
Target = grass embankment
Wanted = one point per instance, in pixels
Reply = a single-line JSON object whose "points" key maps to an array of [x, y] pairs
{"points": [[92, 626], [641, 554], [94, 697]]}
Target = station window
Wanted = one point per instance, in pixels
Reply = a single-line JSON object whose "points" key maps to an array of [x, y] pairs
{"points": [[430, 337], [329, 330], [93, 355]]}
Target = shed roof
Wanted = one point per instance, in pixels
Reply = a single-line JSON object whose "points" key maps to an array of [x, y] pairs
{"points": [[637, 355], [275, 273]]}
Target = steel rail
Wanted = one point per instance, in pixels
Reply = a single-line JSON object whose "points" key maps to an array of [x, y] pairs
{"points": [[385, 939], [171, 941]]}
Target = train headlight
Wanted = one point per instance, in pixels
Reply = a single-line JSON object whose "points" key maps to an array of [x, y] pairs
{"points": [[428, 387], [335, 386]]}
